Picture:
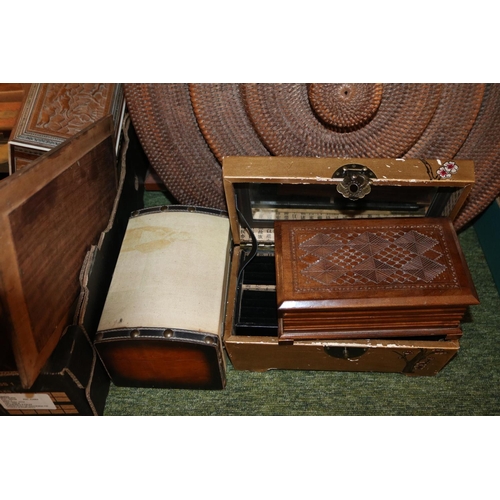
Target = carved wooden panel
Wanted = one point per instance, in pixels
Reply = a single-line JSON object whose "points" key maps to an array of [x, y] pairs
{"points": [[383, 257], [54, 112], [370, 257]]}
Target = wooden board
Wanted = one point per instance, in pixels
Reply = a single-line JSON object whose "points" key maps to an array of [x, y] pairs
{"points": [[50, 214], [8, 114]]}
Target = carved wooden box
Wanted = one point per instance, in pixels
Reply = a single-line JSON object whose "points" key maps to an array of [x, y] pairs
{"points": [[53, 112], [392, 330], [378, 278]]}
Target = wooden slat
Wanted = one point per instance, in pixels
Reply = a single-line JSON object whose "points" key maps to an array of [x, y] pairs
{"points": [[12, 92], [8, 114]]}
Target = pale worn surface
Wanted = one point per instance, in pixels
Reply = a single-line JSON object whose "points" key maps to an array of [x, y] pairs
{"points": [[170, 273]]}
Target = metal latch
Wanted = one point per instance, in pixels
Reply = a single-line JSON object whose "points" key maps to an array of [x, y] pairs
{"points": [[356, 183]]}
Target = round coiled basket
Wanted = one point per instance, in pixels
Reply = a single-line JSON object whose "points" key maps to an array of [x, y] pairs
{"points": [[186, 129]]}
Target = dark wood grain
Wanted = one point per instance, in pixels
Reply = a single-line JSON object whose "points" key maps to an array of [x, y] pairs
{"points": [[51, 212], [162, 363]]}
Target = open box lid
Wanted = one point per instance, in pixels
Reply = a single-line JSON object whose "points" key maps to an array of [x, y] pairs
{"points": [[260, 190], [51, 212]]}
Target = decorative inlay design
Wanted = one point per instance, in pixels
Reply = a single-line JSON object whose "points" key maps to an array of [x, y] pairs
{"points": [[54, 112], [68, 108], [447, 170], [385, 257]]}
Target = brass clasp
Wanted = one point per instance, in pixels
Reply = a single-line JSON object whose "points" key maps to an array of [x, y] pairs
{"points": [[356, 183]]}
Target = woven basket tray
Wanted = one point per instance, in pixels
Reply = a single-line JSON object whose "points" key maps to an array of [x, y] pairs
{"points": [[186, 129]]}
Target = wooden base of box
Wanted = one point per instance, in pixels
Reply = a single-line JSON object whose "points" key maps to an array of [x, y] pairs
{"points": [[144, 359], [406, 357], [262, 353]]}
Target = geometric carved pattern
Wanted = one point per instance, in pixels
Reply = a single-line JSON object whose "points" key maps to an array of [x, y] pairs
{"points": [[370, 257]]}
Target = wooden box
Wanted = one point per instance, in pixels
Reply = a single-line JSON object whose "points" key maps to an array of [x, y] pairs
{"points": [[62, 219], [54, 112], [371, 278], [295, 192]]}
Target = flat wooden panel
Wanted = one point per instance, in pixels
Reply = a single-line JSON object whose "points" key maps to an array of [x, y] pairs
{"points": [[416, 358], [76, 204], [302, 170], [8, 114], [13, 91], [50, 214]]}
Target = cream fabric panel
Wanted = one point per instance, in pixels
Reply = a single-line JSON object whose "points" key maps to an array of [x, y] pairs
{"points": [[170, 273]]}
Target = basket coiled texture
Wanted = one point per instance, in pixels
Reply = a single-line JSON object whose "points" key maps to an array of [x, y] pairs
{"points": [[187, 129]]}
